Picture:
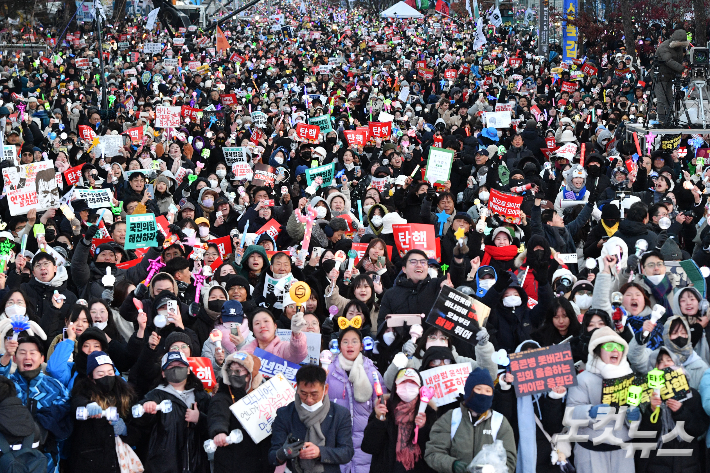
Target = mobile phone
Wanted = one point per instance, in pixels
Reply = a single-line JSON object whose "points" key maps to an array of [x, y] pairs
{"points": [[234, 330], [269, 202], [218, 213], [398, 320], [376, 279], [173, 307], [64, 333], [381, 260]]}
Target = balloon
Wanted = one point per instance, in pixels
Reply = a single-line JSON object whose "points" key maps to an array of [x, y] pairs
{"points": [[300, 292], [52, 135]]}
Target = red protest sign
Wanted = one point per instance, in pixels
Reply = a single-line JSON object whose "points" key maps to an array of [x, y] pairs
{"points": [[465, 70], [224, 245], [506, 205], [228, 99], [355, 138], [236, 58], [540, 370], [381, 129], [421, 236], [569, 87], [82, 62], [515, 62], [589, 70], [307, 132], [271, 228], [73, 175], [427, 74], [86, 133], [190, 112], [96, 242], [162, 224], [421, 65], [129, 264], [361, 248], [365, 130], [136, 133], [450, 74], [202, 367], [550, 140]]}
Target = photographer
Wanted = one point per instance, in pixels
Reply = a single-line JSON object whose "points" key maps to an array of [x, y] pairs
{"points": [[669, 57]]}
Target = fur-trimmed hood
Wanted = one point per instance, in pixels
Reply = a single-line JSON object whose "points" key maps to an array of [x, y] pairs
{"points": [[250, 362]]}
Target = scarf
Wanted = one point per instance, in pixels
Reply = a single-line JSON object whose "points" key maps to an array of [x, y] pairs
{"points": [[58, 279], [314, 434], [570, 194], [503, 253], [362, 389], [660, 293], [408, 453], [610, 230]]}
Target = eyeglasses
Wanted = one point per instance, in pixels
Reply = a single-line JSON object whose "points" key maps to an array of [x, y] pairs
{"points": [[436, 363], [611, 346], [179, 347], [418, 262], [44, 265], [434, 338], [212, 253], [659, 265]]}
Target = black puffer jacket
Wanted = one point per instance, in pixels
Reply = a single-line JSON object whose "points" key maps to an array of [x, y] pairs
{"points": [[40, 296], [407, 297]]}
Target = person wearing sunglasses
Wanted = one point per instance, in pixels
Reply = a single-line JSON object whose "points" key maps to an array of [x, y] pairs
{"points": [[607, 360]]}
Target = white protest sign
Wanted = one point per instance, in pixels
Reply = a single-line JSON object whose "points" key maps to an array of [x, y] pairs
{"points": [[233, 155], [498, 119], [438, 166], [167, 117], [568, 258], [152, 48], [9, 153], [278, 287], [96, 198], [257, 410], [312, 339], [403, 94], [170, 63], [110, 145], [448, 381], [242, 171], [17, 177]]}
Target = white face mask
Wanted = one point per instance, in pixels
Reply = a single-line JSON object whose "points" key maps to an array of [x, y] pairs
{"points": [[367, 208], [221, 173], [101, 325], [350, 166], [583, 301], [407, 391], [279, 159], [321, 211], [15, 309], [512, 301], [388, 338], [655, 279], [376, 220], [486, 284], [204, 231], [484, 196], [213, 184], [315, 406], [189, 232]]}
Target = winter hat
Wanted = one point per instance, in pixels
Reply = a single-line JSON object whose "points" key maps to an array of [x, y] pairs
{"points": [[93, 333], [464, 216], [567, 137], [436, 353], [477, 376], [610, 212], [502, 230], [177, 337], [671, 251], [392, 218], [603, 335], [97, 359], [581, 285], [171, 356], [250, 362]]}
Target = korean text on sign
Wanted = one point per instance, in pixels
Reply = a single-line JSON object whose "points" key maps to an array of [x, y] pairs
{"points": [[540, 370], [448, 381], [257, 410], [458, 314], [140, 231]]}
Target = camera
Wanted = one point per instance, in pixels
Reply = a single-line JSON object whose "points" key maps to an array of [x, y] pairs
{"points": [[700, 57]]}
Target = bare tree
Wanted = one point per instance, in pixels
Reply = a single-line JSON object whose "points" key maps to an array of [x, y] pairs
{"points": [[700, 23], [628, 23]]}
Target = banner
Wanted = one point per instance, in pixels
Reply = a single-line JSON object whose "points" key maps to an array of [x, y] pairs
{"points": [[670, 142], [19, 177], [544, 30], [140, 231], [447, 380], [326, 172], [95, 198], [202, 367], [421, 236], [615, 391], [438, 165], [313, 341], [272, 365], [458, 314], [506, 205], [257, 410], [569, 31], [47, 190], [539, 370]]}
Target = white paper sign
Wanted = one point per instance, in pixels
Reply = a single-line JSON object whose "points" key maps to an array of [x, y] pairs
{"points": [[312, 339], [110, 145], [152, 48], [568, 258], [448, 381], [498, 119], [257, 410], [167, 117]]}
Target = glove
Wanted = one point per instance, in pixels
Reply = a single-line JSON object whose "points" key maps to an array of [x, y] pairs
{"points": [[459, 467], [159, 237], [482, 336], [632, 263], [594, 411], [93, 409], [502, 282], [194, 309], [460, 250], [298, 323], [141, 291], [175, 230], [431, 193], [327, 326], [90, 232], [119, 427], [409, 348], [289, 450], [633, 414], [541, 275]]}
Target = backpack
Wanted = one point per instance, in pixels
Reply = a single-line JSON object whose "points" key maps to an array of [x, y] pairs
{"points": [[24, 460], [496, 421]]}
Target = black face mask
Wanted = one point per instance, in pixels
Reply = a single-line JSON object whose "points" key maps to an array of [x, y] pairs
{"points": [[177, 374], [331, 140], [215, 306], [238, 381], [102, 267], [50, 234], [594, 171], [516, 182], [681, 341], [106, 383]]}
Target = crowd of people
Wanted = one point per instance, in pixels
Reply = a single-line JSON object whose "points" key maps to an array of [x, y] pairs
{"points": [[101, 321]]}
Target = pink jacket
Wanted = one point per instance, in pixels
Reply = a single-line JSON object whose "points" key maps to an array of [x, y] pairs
{"points": [[294, 351]]}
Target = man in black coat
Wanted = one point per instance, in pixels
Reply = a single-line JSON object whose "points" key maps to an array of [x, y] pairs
{"points": [[532, 140], [294, 443], [633, 227]]}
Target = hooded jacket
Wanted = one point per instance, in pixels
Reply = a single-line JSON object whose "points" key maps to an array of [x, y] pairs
{"points": [[40, 296], [671, 58], [631, 231], [407, 297], [243, 268], [206, 318]]}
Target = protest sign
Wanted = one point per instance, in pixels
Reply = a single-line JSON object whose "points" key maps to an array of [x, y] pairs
{"points": [[307, 132], [96, 242], [167, 117], [82, 62], [313, 341], [152, 48], [233, 155], [272, 365], [86, 133], [670, 142], [228, 99], [421, 236], [170, 62], [17, 177], [110, 145], [540, 370], [327, 172], [379, 183], [438, 165], [506, 205], [140, 231], [504, 107], [224, 245], [458, 314], [380, 129], [277, 287], [136, 133], [447, 380], [589, 69], [242, 171], [323, 122], [213, 119], [22, 200], [450, 74], [202, 367], [9, 153], [271, 228], [192, 113], [95, 198], [569, 87], [355, 137], [263, 175], [498, 119], [615, 390], [47, 190], [361, 248], [257, 410]]}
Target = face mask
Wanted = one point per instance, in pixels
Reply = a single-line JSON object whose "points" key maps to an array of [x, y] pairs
{"points": [[331, 140], [367, 209], [484, 196], [213, 184], [160, 320], [486, 284], [221, 173], [388, 338], [516, 182], [204, 231], [50, 234], [479, 403], [238, 381], [594, 171], [512, 301], [433, 273], [418, 109], [321, 211], [315, 406], [583, 301], [279, 160], [177, 374], [407, 392], [376, 220], [208, 202], [15, 309], [106, 383], [681, 341], [656, 279], [100, 325], [409, 114], [215, 306], [350, 166]]}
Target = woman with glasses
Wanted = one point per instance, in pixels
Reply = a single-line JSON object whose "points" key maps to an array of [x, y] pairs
{"points": [[607, 360], [351, 384], [102, 319]]}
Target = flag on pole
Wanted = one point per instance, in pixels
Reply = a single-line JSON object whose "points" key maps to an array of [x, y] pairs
{"points": [[152, 17], [442, 6], [222, 43]]}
